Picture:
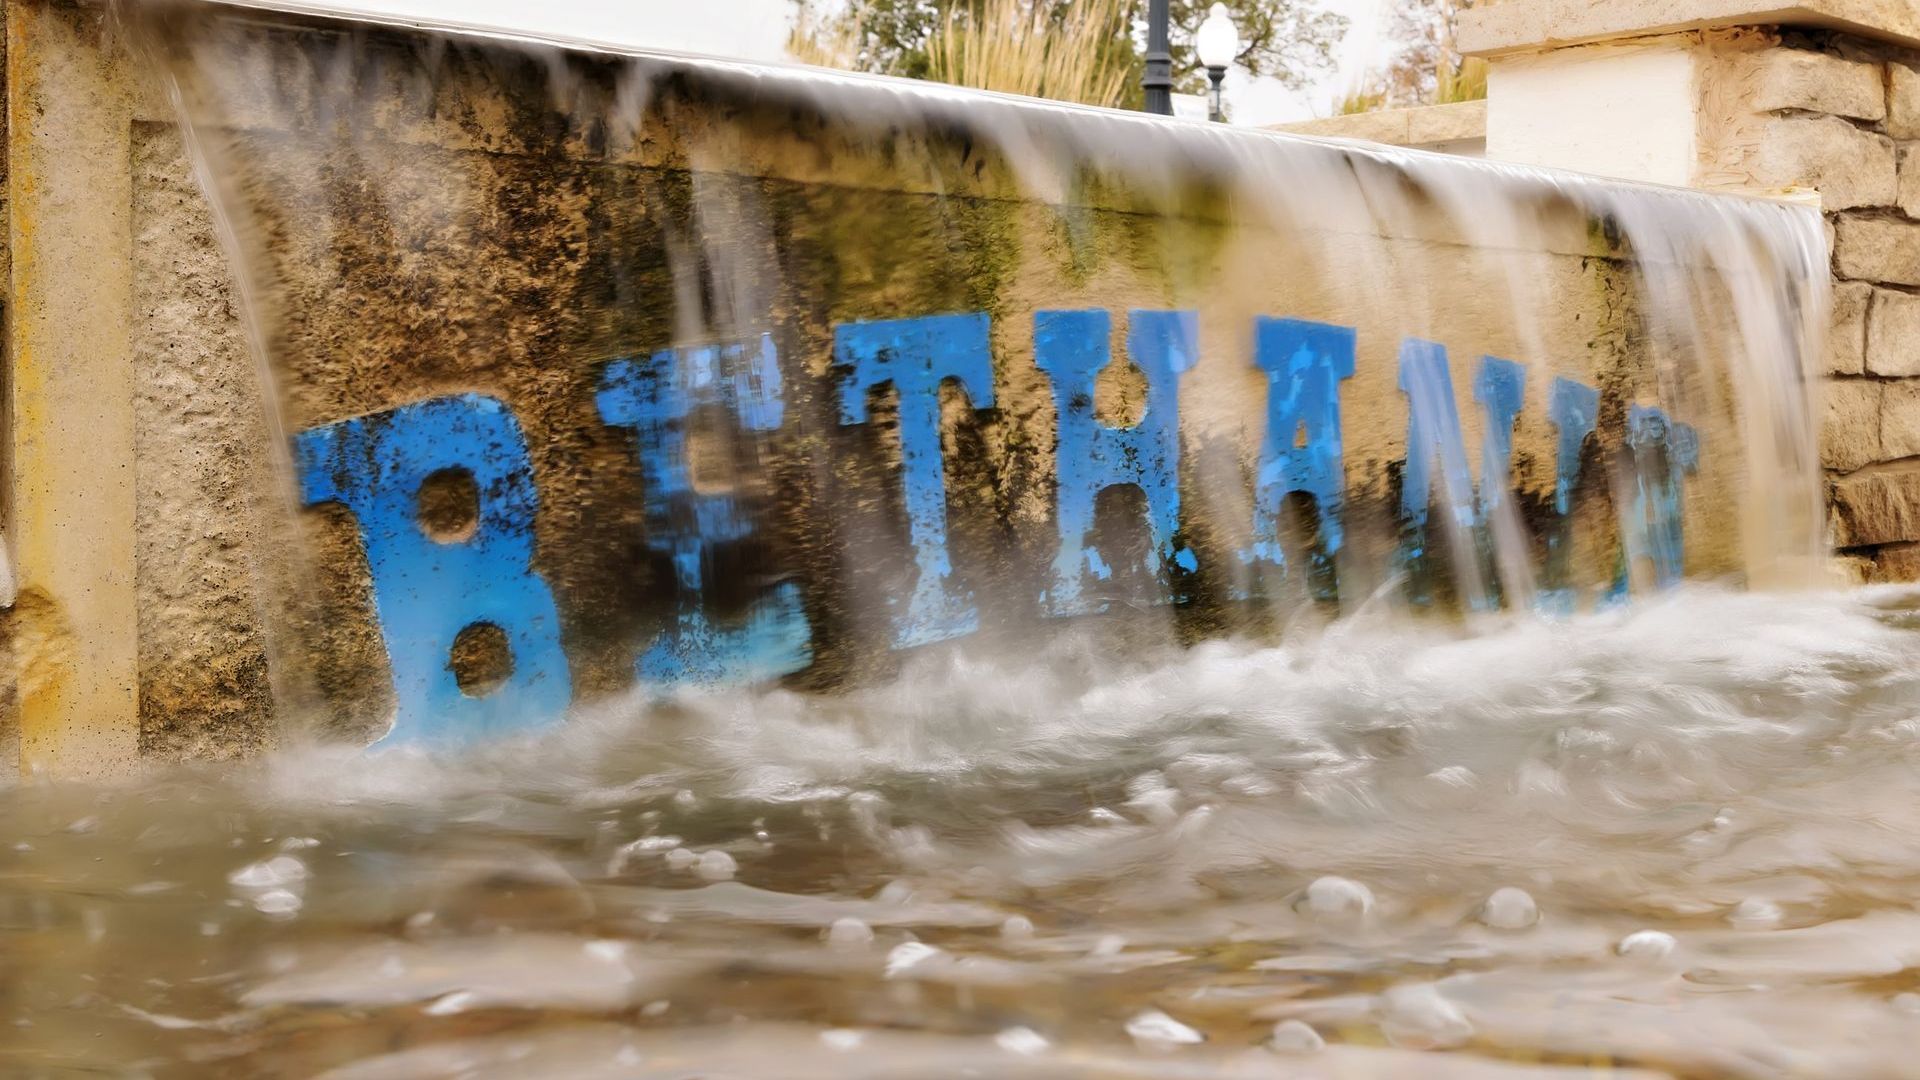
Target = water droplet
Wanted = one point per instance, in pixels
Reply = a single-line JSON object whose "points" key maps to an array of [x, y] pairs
{"points": [[1295, 1037], [1755, 913], [607, 951], [1154, 1026], [450, 1004], [1907, 1002], [627, 854], [909, 955], [1023, 1041], [843, 1039], [680, 858], [1420, 1018], [278, 903], [1333, 897], [1510, 909], [1017, 928], [716, 866], [279, 872], [655, 1009], [848, 932], [1647, 945]]}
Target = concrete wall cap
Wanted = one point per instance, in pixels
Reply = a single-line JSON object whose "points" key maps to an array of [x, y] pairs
{"points": [[1420, 125], [1536, 25]]}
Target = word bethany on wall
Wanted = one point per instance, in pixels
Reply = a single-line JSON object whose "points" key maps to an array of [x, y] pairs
{"points": [[428, 589]]}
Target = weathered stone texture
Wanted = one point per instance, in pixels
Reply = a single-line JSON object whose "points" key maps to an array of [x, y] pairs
{"points": [[1908, 195], [1816, 82], [1847, 331], [1898, 562], [1878, 506], [1850, 435], [1900, 420], [199, 423], [1849, 167], [1893, 334], [1903, 101], [1850, 568], [1872, 248]]}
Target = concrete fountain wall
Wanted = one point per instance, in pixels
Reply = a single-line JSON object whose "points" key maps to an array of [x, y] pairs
{"points": [[151, 531]]}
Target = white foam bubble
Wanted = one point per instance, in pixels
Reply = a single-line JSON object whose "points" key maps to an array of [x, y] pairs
{"points": [[1338, 898], [1510, 908], [1156, 1027], [1295, 1037]]}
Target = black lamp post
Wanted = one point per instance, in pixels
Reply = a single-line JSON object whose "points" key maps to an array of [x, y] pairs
{"points": [[1158, 80]]}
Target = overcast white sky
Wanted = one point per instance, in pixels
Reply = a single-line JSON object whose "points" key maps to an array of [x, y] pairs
{"points": [[757, 30]]}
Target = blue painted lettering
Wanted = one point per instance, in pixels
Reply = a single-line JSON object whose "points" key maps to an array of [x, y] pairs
{"points": [[1434, 434], [1305, 363], [428, 589], [655, 396], [915, 356], [1072, 348], [1573, 408], [1663, 452]]}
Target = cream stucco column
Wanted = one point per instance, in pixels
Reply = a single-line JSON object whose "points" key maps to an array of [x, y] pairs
{"points": [[70, 495], [1723, 94]]}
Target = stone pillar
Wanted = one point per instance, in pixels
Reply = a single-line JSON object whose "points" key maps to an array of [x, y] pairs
{"points": [[1750, 95]]}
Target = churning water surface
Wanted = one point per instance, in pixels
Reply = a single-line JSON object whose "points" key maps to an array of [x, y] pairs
{"points": [[1677, 840]]}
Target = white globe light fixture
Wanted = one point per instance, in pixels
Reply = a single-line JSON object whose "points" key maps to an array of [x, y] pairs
{"points": [[1217, 43]]}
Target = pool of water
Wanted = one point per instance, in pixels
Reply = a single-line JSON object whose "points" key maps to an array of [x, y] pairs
{"points": [[1679, 840]]}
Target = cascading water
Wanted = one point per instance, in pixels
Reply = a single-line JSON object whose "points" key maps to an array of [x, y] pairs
{"points": [[758, 375], [943, 576]]}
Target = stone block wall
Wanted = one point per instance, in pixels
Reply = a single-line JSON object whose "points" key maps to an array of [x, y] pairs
{"points": [[1841, 115]]}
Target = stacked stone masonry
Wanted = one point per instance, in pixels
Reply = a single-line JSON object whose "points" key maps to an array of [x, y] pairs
{"points": [[1841, 115]]}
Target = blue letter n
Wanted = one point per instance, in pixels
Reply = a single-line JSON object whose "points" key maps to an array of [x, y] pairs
{"points": [[1434, 437]]}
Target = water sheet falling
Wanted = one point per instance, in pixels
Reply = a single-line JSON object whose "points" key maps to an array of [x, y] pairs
{"points": [[601, 370], [601, 375]]}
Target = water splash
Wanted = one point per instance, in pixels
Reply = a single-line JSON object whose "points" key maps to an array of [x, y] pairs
{"points": [[1334, 833], [1325, 836]]}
